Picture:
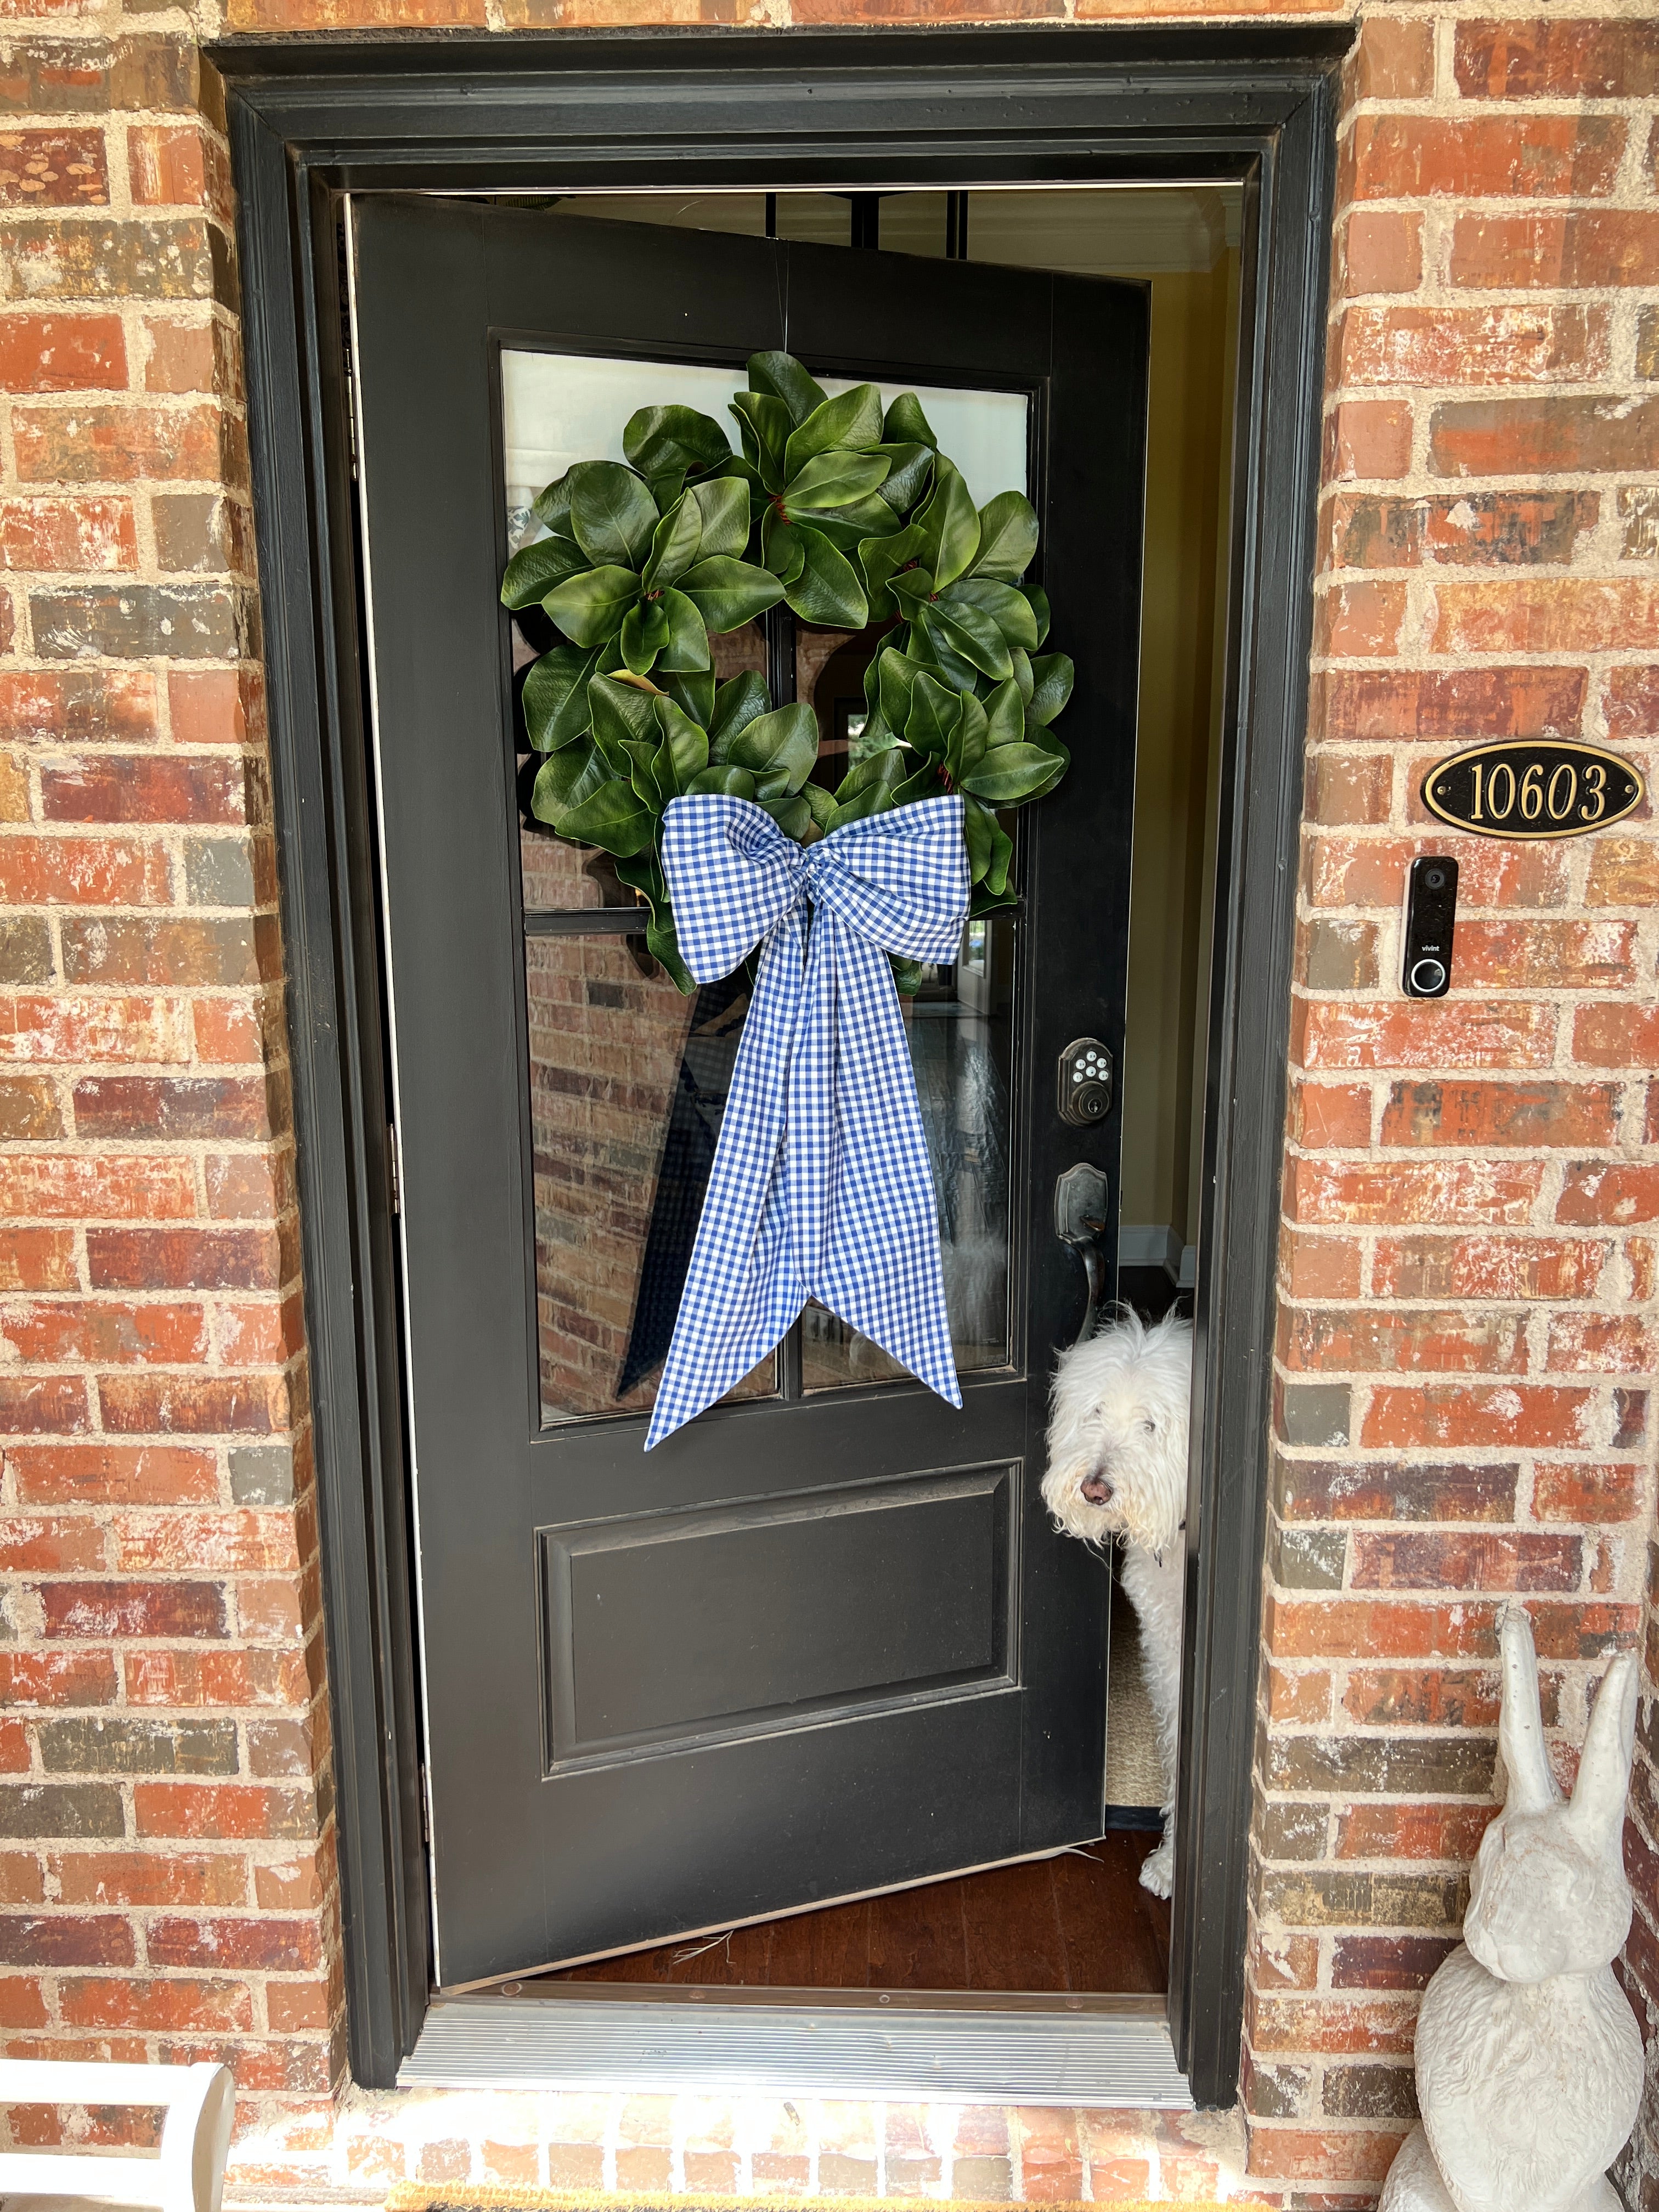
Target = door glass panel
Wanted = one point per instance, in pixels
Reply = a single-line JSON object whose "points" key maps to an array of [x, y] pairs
{"points": [[557, 408], [627, 1079], [628, 1084], [960, 1028]]}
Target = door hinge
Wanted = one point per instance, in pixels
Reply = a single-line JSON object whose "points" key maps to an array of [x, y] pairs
{"points": [[426, 1814], [393, 1182]]}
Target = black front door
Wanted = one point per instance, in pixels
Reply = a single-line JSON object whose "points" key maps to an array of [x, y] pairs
{"points": [[822, 1640]]}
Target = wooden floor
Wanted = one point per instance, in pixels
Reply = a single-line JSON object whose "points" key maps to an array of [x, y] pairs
{"points": [[1080, 1921]]}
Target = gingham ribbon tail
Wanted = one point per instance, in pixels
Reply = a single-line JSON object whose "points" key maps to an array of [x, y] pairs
{"points": [[821, 1186]]}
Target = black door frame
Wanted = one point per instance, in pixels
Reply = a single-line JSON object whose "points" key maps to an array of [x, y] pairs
{"points": [[311, 119]]}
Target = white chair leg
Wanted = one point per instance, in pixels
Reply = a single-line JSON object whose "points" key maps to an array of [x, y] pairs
{"points": [[196, 2141]]}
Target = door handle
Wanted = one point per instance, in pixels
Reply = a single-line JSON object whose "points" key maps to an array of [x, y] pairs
{"points": [[1080, 1196]]}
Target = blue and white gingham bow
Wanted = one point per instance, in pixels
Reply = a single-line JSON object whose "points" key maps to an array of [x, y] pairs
{"points": [[821, 1186]]}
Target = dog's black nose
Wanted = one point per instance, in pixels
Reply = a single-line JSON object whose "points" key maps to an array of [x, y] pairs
{"points": [[1098, 1489]]}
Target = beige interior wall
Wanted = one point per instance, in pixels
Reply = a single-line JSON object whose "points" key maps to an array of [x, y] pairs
{"points": [[1179, 733]]}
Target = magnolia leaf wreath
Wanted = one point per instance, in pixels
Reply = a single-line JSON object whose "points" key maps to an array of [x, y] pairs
{"points": [[850, 515]]}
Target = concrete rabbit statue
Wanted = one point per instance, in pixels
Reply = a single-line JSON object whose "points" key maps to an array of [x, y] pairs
{"points": [[1529, 2058]]}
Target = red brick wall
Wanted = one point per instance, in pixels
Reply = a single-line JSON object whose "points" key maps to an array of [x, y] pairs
{"points": [[1467, 1337], [1466, 1340], [166, 1870]]}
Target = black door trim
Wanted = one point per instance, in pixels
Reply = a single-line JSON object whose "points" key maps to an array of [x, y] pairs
{"points": [[311, 118]]}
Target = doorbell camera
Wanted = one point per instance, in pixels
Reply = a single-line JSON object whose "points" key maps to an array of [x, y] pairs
{"points": [[1431, 912]]}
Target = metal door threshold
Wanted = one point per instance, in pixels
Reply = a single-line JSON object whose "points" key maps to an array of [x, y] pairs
{"points": [[814, 2043]]}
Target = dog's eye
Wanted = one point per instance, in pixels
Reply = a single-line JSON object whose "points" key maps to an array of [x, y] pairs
{"points": [[1151, 1427]]}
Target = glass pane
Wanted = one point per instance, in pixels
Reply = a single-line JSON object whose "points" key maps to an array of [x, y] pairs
{"points": [[558, 408], [960, 1027], [628, 1084]]}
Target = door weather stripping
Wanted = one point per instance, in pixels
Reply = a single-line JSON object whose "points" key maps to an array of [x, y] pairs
{"points": [[1026, 2051]]}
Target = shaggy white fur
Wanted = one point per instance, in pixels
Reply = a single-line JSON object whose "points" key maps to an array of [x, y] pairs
{"points": [[1117, 1473]]}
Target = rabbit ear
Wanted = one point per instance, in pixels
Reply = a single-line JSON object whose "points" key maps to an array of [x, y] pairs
{"points": [[1596, 1815], [1520, 1731]]}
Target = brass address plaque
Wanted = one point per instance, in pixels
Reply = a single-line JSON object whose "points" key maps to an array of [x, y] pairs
{"points": [[1527, 788]]}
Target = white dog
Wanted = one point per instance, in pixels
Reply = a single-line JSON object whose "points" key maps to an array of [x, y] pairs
{"points": [[1117, 1471]]}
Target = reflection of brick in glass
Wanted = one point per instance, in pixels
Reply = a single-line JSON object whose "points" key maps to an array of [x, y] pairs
{"points": [[688, 1155]]}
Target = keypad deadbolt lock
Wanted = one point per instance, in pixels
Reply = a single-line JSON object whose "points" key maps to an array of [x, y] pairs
{"points": [[1084, 1086]]}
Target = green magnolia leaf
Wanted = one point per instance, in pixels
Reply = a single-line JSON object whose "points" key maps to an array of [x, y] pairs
{"points": [[882, 772], [1007, 537], [978, 825], [674, 543], [912, 588], [969, 740], [832, 480], [566, 778], [881, 559], [930, 648], [1062, 761], [791, 814], [1004, 713], [1010, 610], [727, 594], [820, 803], [613, 817], [1002, 854], [644, 633], [729, 782], [927, 782], [990, 848], [532, 574], [724, 505], [934, 713], [663, 946], [736, 705], [660, 438], [692, 690], [851, 420], [1037, 598], [624, 716], [643, 874], [555, 698], [825, 590], [613, 515], [666, 489], [590, 608], [684, 750], [1052, 678], [551, 506], [685, 650], [1023, 675], [642, 779], [782, 376], [778, 748], [970, 632], [865, 517], [875, 799], [896, 675], [847, 528], [985, 901], [907, 975], [907, 425], [908, 479], [1009, 774], [951, 523], [764, 424], [783, 548]]}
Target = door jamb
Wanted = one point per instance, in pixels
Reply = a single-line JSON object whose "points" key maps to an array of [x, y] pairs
{"points": [[630, 110]]}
